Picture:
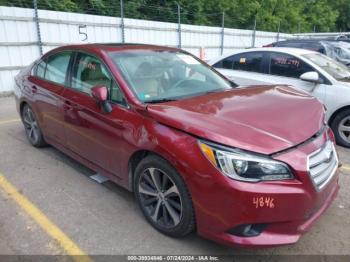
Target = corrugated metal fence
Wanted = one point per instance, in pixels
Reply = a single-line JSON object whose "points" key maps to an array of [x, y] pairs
{"points": [[22, 34]]}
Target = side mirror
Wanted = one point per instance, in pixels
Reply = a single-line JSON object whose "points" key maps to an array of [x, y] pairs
{"points": [[100, 93], [311, 76]]}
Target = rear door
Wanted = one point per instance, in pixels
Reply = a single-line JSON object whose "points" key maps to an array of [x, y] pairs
{"points": [[48, 80], [244, 68], [92, 134]]}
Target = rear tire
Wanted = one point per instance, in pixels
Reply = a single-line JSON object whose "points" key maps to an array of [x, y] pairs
{"points": [[163, 197], [341, 128], [32, 128]]}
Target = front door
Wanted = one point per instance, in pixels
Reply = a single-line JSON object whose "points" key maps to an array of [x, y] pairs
{"points": [[287, 69], [92, 134]]}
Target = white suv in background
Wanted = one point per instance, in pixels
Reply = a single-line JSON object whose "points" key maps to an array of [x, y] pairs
{"points": [[319, 75]]}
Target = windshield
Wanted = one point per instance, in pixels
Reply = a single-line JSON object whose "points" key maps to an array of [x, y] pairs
{"points": [[157, 76], [332, 67]]}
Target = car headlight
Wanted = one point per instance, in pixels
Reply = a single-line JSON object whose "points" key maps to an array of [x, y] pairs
{"points": [[240, 165]]}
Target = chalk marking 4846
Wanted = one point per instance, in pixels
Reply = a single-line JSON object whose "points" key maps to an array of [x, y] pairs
{"points": [[260, 202]]}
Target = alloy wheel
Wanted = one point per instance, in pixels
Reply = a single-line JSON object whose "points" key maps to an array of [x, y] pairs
{"points": [[31, 125], [160, 198], [344, 129]]}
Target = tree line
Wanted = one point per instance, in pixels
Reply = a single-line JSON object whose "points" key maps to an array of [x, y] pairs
{"points": [[291, 16]]}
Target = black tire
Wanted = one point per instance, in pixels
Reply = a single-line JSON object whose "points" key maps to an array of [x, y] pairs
{"points": [[32, 128], [341, 119], [184, 222]]}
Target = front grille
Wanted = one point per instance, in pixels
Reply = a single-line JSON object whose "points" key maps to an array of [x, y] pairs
{"points": [[322, 165]]}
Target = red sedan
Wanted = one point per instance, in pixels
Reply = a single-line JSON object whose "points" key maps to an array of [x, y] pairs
{"points": [[250, 166]]}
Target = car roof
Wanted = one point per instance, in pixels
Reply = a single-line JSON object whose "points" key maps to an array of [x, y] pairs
{"points": [[118, 47], [312, 40], [289, 50], [306, 40]]}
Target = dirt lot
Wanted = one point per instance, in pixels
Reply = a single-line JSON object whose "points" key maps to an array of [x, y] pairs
{"points": [[104, 218]]}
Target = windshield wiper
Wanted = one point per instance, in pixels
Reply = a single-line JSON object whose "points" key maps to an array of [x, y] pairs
{"points": [[161, 100], [214, 91]]}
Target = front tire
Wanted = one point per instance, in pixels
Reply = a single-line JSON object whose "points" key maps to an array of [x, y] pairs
{"points": [[163, 197], [31, 126], [341, 128]]}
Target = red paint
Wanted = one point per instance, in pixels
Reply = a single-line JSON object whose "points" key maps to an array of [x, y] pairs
{"points": [[262, 119]]}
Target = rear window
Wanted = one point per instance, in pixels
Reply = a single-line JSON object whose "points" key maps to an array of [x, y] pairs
{"points": [[250, 62], [56, 68], [39, 71]]}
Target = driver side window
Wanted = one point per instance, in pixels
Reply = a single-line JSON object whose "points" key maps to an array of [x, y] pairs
{"points": [[89, 72]]}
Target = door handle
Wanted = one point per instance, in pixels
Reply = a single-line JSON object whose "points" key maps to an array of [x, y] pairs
{"points": [[68, 105]]}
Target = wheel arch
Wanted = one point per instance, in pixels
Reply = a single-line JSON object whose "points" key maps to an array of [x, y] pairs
{"points": [[331, 119], [21, 106], [134, 160], [162, 141]]}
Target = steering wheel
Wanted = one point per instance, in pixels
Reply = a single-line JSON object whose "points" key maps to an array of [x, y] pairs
{"points": [[180, 82]]}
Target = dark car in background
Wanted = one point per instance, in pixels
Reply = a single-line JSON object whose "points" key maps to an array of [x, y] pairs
{"points": [[338, 49]]}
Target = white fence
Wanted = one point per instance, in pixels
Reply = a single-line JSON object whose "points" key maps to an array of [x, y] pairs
{"points": [[19, 40]]}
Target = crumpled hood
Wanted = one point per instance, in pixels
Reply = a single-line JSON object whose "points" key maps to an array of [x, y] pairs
{"points": [[263, 119]]}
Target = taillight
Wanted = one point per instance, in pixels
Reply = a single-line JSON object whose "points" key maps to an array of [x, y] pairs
{"points": [[269, 45]]}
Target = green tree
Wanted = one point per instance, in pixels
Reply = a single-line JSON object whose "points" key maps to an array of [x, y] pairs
{"points": [[292, 15], [319, 14], [58, 5], [343, 19]]}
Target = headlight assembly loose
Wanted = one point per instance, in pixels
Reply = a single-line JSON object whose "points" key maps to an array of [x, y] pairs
{"points": [[240, 165]]}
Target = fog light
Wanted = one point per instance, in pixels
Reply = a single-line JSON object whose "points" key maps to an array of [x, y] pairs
{"points": [[247, 230]]}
